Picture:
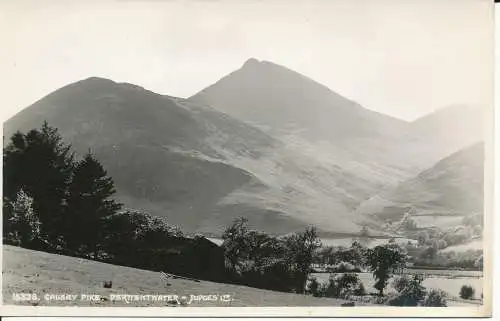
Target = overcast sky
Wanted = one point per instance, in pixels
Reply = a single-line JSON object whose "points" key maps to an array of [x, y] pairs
{"points": [[404, 58]]}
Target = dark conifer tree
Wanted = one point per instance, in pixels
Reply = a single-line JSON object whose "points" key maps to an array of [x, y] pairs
{"points": [[41, 164], [89, 201]]}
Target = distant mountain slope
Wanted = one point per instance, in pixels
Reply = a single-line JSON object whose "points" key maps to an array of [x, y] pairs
{"points": [[197, 166], [452, 128], [450, 190]]}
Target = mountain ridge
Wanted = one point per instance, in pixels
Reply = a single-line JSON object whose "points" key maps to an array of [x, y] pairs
{"points": [[203, 162], [197, 166]]}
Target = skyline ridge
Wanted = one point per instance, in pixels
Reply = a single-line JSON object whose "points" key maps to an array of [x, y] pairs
{"points": [[248, 63]]}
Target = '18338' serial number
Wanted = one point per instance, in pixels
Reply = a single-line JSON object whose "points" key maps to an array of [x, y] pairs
{"points": [[24, 297]]}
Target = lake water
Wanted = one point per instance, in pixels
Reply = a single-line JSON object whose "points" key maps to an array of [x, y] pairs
{"points": [[346, 241]]}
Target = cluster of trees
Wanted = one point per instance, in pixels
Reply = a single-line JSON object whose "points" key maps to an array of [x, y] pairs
{"points": [[427, 253], [410, 292], [52, 201], [469, 260], [55, 203], [342, 285], [471, 227], [432, 256], [284, 263], [384, 261], [405, 225], [342, 257], [453, 236], [256, 259]]}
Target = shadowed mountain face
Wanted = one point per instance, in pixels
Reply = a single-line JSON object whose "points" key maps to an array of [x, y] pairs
{"points": [[164, 156], [197, 166], [264, 142], [446, 192]]}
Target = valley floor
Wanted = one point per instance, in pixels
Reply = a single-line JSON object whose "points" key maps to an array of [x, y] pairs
{"points": [[27, 271]]}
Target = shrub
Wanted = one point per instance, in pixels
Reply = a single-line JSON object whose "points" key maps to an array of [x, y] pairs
{"points": [[330, 289], [347, 284], [360, 289], [399, 283], [435, 298], [23, 225], [313, 287], [342, 286], [379, 299], [412, 293], [467, 292]]}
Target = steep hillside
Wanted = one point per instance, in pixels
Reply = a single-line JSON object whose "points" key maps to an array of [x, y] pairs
{"points": [[197, 166], [309, 117], [273, 96], [441, 195], [162, 155]]}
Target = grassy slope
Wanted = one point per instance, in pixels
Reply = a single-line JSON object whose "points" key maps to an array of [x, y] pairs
{"points": [[451, 188], [32, 271]]}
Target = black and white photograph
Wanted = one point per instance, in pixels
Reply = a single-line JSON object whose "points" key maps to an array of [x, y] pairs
{"points": [[271, 158]]}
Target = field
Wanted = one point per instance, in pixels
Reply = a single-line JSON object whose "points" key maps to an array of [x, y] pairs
{"points": [[27, 271], [472, 245], [448, 281]]}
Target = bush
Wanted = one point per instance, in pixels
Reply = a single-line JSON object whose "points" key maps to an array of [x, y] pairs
{"points": [[347, 284], [360, 289], [313, 287], [327, 289], [435, 298], [399, 283], [411, 295], [467, 292], [342, 286], [23, 225]]}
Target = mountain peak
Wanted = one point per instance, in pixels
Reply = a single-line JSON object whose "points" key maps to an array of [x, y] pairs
{"points": [[95, 79], [251, 62]]}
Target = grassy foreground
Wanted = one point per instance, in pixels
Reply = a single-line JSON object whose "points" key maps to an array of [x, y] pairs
{"points": [[27, 271]]}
